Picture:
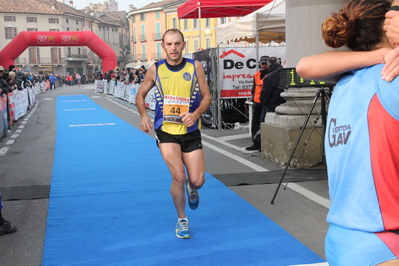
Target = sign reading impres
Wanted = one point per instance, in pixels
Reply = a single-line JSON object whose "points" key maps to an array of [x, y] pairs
{"points": [[45, 39], [69, 39]]}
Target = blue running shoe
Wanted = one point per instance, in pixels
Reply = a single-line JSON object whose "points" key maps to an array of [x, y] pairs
{"points": [[192, 196], [182, 229]]}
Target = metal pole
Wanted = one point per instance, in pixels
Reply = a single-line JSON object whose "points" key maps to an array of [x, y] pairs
{"points": [[219, 79], [257, 42], [287, 165], [199, 21]]}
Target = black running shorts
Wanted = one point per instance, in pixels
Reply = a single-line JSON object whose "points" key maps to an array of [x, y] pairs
{"points": [[188, 142]]}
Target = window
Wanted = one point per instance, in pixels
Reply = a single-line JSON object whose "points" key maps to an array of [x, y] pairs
{"points": [[196, 46], [195, 23], [186, 24], [77, 22], [67, 20], [9, 18], [157, 15], [31, 19], [78, 50], [174, 23], [33, 55], [54, 30], [144, 51], [67, 29], [158, 31], [207, 22], [31, 29], [143, 37], [186, 50], [53, 21], [159, 51], [11, 32], [142, 17], [223, 20], [134, 18], [208, 43], [55, 58]]}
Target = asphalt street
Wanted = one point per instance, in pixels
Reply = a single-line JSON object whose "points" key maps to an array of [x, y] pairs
{"points": [[26, 161]]}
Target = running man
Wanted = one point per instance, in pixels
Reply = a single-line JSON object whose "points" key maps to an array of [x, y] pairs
{"points": [[177, 121]]}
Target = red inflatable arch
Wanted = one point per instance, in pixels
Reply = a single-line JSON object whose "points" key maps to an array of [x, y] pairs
{"points": [[58, 38]]}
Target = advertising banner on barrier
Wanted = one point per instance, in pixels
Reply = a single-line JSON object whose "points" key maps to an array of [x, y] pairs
{"points": [[100, 86], [19, 104], [3, 115], [32, 95], [111, 87], [133, 88], [237, 67], [11, 108]]}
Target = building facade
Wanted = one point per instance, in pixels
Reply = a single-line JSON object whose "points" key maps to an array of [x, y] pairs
{"points": [[51, 15]]}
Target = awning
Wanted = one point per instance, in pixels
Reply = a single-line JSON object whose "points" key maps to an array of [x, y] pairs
{"points": [[268, 22], [218, 9]]}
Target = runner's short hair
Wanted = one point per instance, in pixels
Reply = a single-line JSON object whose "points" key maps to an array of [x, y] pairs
{"points": [[173, 31]]}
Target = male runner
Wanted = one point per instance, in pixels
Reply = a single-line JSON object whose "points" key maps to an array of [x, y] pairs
{"points": [[177, 121]]}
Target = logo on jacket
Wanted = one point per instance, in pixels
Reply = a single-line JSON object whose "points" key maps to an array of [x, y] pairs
{"points": [[338, 134]]}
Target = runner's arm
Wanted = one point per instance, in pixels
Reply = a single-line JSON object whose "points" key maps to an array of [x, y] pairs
{"points": [[190, 118]]}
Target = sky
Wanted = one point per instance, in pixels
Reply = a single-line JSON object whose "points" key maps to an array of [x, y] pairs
{"points": [[123, 5]]}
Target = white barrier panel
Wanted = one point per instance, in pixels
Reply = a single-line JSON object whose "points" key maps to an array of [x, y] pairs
{"points": [[111, 88], [127, 92], [150, 99], [100, 86], [21, 103], [32, 95], [42, 86], [133, 88], [106, 85], [37, 88], [120, 90]]}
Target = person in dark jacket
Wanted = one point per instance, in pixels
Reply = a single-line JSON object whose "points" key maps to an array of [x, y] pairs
{"points": [[270, 96]]}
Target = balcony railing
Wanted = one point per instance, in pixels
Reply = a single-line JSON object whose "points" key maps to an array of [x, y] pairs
{"points": [[76, 57], [157, 36], [156, 56], [142, 37], [45, 60], [142, 57]]}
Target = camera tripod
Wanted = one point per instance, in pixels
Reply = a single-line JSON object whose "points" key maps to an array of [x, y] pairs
{"points": [[325, 95]]}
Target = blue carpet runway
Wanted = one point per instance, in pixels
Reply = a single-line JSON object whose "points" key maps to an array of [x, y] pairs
{"points": [[110, 204]]}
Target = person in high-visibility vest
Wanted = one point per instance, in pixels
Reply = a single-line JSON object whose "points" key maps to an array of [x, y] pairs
{"points": [[257, 106]]}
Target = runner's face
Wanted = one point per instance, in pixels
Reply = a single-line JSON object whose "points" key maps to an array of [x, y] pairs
{"points": [[173, 46]]}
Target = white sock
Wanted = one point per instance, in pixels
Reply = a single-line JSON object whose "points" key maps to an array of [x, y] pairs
{"points": [[189, 186], [179, 219]]}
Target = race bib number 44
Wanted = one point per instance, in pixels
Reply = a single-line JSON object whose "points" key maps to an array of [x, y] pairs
{"points": [[173, 106]]}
